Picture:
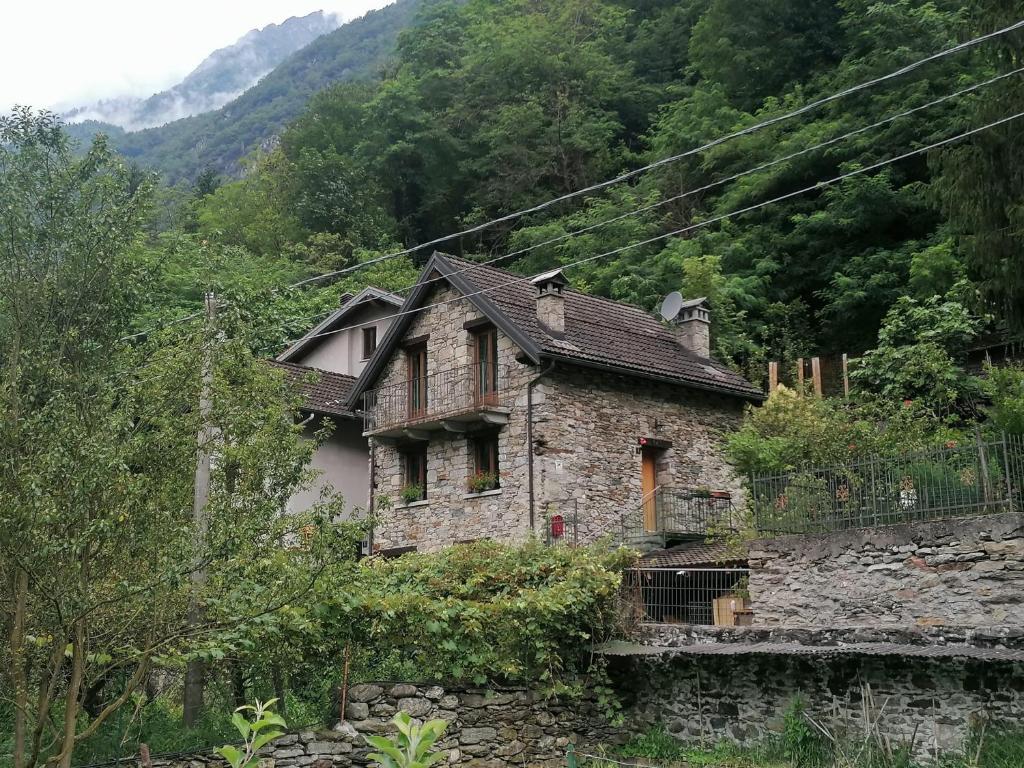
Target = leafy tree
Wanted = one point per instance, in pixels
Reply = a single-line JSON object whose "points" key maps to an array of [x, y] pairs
{"points": [[919, 356], [755, 51], [981, 182], [99, 446], [1004, 387]]}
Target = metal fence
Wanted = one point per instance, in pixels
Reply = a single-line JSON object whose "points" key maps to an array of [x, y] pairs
{"points": [[679, 513], [438, 394], [686, 595], [956, 480]]}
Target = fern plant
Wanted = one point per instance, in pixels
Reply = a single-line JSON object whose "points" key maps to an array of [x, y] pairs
{"points": [[411, 747]]}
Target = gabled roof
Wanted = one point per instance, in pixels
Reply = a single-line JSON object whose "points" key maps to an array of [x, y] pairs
{"points": [[323, 392], [337, 319], [599, 332]]}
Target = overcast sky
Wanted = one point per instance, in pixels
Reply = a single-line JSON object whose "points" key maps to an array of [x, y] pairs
{"points": [[73, 51]]}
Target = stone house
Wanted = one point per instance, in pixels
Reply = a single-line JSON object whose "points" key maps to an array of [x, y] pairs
{"points": [[322, 367], [499, 406]]}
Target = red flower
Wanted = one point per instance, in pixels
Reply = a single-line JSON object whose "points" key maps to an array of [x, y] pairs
{"points": [[852, 447], [907, 403], [951, 443]]}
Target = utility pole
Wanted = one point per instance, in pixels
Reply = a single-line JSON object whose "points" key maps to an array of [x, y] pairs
{"points": [[195, 672]]}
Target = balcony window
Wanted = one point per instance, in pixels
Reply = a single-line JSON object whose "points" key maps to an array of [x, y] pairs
{"points": [[417, 387], [485, 353], [414, 472], [369, 342], [486, 476]]}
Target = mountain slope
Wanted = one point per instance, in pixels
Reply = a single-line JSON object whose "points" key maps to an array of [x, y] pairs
{"points": [[182, 149], [220, 77]]}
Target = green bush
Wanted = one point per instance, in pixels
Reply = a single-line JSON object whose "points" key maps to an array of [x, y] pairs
{"points": [[487, 611], [791, 431], [1005, 389]]}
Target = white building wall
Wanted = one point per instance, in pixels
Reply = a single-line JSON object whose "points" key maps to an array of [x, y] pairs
{"points": [[342, 352], [343, 465]]}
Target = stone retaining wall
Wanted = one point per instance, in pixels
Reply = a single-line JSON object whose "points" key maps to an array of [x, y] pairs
{"points": [[965, 572], [487, 728], [928, 703]]}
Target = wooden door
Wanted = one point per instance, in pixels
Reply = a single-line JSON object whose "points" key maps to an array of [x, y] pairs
{"points": [[648, 475]]}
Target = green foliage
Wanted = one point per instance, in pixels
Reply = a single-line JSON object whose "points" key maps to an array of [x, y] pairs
{"points": [[800, 743], [412, 492], [488, 612], [800, 746], [483, 481], [980, 184], [1004, 387], [792, 431], [411, 748], [921, 348], [257, 730], [182, 149]]}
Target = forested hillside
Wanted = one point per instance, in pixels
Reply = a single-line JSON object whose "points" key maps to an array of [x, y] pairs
{"points": [[220, 77], [182, 149], [494, 106]]}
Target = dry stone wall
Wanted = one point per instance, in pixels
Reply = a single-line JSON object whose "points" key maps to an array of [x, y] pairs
{"points": [[966, 572], [497, 728], [928, 704]]}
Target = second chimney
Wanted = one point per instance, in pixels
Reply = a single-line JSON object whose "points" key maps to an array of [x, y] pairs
{"points": [[551, 301], [692, 326]]}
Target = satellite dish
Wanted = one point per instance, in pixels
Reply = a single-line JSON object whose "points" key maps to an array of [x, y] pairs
{"points": [[671, 305]]}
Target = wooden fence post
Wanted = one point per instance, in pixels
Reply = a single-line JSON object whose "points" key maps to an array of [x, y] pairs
{"points": [[846, 377], [773, 376], [800, 374], [816, 375]]}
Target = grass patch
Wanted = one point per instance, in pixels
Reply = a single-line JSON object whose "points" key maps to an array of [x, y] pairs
{"points": [[796, 747]]}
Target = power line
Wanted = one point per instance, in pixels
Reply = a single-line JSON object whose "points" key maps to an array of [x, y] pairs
{"points": [[706, 187], [631, 174], [672, 159], [684, 230]]}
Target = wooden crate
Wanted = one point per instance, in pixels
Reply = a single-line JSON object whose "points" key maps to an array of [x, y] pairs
{"points": [[725, 608]]}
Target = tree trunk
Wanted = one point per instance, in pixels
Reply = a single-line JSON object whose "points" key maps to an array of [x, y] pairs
{"points": [[195, 671], [279, 690], [238, 684], [192, 706], [17, 643], [63, 759]]}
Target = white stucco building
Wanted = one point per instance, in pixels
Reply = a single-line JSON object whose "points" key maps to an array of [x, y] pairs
{"points": [[323, 366]]}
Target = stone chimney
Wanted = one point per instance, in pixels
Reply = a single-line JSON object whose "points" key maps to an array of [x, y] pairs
{"points": [[692, 326], [551, 301]]}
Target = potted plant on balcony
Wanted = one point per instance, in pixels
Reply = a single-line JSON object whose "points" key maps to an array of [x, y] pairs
{"points": [[483, 481], [412, 492]]}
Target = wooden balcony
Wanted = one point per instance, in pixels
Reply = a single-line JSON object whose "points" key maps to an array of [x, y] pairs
{"points": [[454, 400]]}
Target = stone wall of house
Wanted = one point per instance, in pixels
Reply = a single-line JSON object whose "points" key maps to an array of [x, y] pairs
{"points": [[586, 426], [928, 703], [965, 572], [487, 728], [586, 431], [451, 513]]}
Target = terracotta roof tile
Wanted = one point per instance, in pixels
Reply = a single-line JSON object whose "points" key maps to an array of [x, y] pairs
{"points": [[323, 392]]}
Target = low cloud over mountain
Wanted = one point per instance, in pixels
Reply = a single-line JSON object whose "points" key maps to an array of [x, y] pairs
{"points": [[221, 77]]}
